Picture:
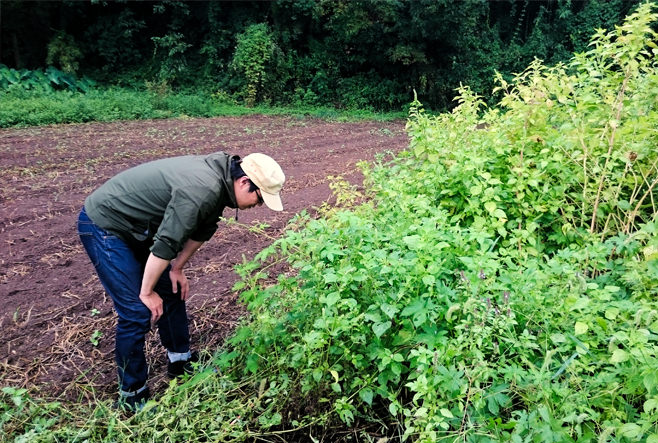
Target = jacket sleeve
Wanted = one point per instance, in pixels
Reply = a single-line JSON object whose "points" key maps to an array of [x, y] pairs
{"points": [[181, 219], [205, 232]]}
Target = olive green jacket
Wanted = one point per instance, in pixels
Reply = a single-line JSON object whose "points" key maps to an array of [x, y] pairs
{"points": [[164, 203]]}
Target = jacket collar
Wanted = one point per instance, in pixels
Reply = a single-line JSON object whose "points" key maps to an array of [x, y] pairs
{"points": [[220, 162]]}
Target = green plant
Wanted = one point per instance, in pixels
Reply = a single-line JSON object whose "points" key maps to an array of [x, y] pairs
{"points": [[494, 288], [21, 107], [365, 53], [96, 337], [21, 416], [253, 50], [14, 81], [63, 51], [170, 51]]}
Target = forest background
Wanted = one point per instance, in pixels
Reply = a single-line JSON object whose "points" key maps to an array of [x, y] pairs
{"points": [[344, 54]]}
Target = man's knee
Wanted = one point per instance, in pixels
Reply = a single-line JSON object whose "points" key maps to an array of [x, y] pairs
{"points": [[136, 321]]}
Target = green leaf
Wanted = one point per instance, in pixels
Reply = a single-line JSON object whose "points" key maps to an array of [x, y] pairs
{"points": [[366, 394], [490, 206], [380, 328], [558, 338], [581, 328], [619, 356], [624, 205], [446, 413], [650, 380], [415, 307], [413, 241], [650, 405], [374, 317], [330, 277], [389, 310], [630, 430], [492, 405], [393, 409], [252, 363], [475, 190], [451, 310], [330, 299]]}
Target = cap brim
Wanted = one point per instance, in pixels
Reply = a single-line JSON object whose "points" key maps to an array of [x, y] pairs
{"points": [[273, 201]]}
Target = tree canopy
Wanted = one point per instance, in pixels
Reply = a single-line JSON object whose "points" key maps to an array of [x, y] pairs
{"points": [[345, 53]]}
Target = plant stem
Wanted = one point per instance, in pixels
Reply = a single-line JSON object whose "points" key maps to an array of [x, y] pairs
{"points": [[611, 143], [633, 214]]}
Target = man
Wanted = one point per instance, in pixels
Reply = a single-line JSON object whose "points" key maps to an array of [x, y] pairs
{"points": [[142, 226]]}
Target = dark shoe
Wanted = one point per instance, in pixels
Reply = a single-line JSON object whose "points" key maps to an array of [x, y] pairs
{"points": [[181, 367], [133, 403]]}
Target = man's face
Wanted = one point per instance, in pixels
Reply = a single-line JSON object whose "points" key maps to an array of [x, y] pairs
{"points": [[245, 198]]}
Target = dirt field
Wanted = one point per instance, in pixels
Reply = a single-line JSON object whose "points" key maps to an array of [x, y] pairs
{"points": [[52, 305]]}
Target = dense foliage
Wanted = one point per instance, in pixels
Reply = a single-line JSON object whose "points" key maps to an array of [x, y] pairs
{"points": [[347, 53], [503, 284], [42, 98], [499, 284]]}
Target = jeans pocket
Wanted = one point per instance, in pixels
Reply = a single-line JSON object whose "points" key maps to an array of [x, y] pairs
{"points": [[85, 228]]}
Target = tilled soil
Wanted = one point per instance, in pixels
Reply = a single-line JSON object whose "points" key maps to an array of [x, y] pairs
{"points": [[57, 323]]}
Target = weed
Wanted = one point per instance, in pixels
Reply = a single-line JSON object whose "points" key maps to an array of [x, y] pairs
{"points": [[95, 337]]}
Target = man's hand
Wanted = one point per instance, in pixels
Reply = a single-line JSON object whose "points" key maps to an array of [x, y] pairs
{"points": [[176, 272], [178, 278], [152, 301]]}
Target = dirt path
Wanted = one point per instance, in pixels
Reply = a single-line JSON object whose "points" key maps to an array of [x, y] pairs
{"points": [[51, 303]]}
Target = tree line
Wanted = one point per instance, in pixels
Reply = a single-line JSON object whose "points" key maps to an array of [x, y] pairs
{"points": [[369, 54]]}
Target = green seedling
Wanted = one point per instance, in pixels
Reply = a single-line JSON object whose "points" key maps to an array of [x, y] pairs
{"points": [[95, 337]]}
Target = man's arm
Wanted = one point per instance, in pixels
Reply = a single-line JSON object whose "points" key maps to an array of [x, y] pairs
{"points": [[176, 273], [154, 268]]}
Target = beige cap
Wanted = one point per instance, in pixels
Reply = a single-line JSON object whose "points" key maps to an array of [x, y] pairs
{"points": [[266, 173]]}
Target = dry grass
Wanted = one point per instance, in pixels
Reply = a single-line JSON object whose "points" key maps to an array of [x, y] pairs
{"points": [[90, 371]]}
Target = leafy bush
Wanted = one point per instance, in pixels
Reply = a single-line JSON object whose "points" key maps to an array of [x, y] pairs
{"points": [[63, 51], [370, 91], [502, 285], [20, 107], [29, 109], [170, 52], [52, 79], [254, 49]]}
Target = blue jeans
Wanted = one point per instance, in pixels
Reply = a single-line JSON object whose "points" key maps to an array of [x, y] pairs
{"points": [[120, 269]]}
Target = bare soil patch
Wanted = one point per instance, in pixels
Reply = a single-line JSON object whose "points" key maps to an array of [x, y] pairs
{"points": [[52, 304]]}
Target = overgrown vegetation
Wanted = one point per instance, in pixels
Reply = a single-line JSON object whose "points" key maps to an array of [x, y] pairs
{"points": [[38, 82], [34, 98], [503, 284], [354, 54], [499, 284], [253, 52]]}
